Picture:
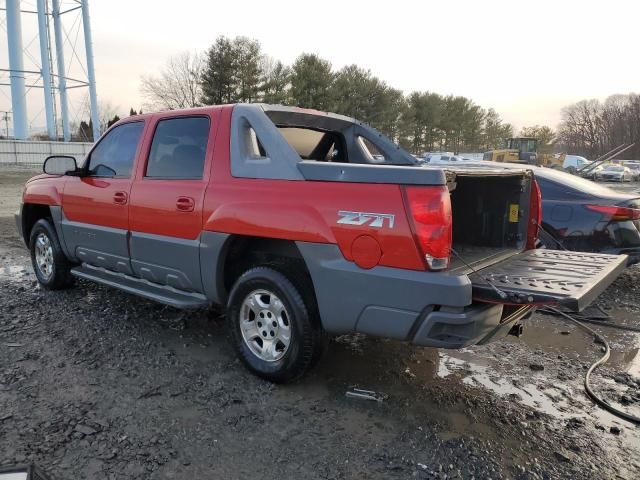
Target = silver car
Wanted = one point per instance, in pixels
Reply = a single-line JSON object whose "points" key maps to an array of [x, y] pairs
{"points": [[615, 173]]}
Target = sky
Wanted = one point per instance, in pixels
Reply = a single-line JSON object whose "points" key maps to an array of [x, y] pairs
{"points": [[525, 59]]}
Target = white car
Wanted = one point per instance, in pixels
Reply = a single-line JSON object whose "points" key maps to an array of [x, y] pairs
{"points": [[634, 166], [573, 163], [616, 173], [442, 158]]}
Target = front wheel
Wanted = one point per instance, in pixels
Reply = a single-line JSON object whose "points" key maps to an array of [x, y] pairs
{"points": [[51, 266], [271, 327]]}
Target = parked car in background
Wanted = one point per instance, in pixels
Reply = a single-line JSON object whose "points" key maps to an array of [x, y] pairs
{"points": [[584, 216], [437, 159], [573, 163], [634, 166], [581, 215], [591, 172], [614, 173]]}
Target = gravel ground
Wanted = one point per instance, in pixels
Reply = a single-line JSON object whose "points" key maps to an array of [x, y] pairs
{"points": [[98, 384]]}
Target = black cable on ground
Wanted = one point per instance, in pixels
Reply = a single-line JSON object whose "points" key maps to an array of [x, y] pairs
{"points": [[587, 386], [602, 323]]}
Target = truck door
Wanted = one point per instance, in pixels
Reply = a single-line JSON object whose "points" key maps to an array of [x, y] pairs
{"points": [[167, 198], [96, 205]]}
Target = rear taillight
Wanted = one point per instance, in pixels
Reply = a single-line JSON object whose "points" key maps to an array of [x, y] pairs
{"points": [[430, 209], [535, 218], [616, 213]]}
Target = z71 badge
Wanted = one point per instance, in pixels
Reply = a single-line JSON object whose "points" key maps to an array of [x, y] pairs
{"points": [[376, 220]]}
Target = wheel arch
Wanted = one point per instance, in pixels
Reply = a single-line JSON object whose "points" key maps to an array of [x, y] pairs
{"points": [[238, 253], [31, 213]]}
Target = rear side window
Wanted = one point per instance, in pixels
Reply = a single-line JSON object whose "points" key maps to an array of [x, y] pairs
{"points": [[372, 153], [114, 155], [319, 145], [178, 148]]}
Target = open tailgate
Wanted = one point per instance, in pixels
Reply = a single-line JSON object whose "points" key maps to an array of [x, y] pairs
{"points": [[571, 279]]}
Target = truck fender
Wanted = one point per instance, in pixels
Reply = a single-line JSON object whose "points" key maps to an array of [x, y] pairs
{"points": [[42, 194]]}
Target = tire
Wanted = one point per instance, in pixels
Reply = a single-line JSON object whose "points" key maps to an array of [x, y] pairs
{"points": [[51, 266], [265, 308]]}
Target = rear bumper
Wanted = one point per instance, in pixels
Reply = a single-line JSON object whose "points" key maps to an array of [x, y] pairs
{"points": [[448, 309], [427, 309], [478, 324]]}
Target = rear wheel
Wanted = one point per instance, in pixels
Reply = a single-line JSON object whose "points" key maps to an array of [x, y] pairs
{"points": [[271, 327], [51, 266]]}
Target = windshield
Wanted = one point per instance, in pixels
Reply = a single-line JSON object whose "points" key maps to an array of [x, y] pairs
{"points": [[614, 168], [528, 145]]}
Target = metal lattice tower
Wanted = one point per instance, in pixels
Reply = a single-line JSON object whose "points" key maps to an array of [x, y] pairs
{"points": [[53, 77]]}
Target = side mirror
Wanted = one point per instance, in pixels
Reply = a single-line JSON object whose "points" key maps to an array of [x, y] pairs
{"points": [[59, 165]]}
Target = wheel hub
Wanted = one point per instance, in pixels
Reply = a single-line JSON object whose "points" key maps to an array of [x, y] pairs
{"points": [[44, 255], [265, 327]]}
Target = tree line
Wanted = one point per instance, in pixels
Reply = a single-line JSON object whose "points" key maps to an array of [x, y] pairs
{"points": [[592, 128], [236, 70]]}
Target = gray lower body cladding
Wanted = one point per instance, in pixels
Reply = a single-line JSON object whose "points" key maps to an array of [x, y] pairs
{"points": [[428, 309]]}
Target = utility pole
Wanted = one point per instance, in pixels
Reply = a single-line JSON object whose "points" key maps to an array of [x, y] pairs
{"points": [[6, 116]]}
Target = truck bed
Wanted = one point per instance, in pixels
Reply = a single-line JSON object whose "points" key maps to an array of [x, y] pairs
{"points": [[477, 256]]}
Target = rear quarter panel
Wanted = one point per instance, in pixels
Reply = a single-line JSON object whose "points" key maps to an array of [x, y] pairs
{"points": [[308, 212], [305, 211]]}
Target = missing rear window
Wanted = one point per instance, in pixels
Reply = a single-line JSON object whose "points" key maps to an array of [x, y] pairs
{"points": [[319, 145]]}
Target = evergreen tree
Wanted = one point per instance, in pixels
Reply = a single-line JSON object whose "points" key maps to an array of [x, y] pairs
{"points": [[247, 69], [219, 75], [276, 77], [115, 119], [311, 80], [85, 132]]}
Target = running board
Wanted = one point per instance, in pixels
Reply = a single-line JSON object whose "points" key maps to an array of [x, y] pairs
{"points": [[143, 288]]}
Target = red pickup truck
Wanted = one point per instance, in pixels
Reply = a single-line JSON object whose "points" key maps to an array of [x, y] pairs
{"points": [[303, 224]]}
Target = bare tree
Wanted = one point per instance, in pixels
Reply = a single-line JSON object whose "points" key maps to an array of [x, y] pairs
{"points": [[591, 127], [176, 86], [107, 115]]}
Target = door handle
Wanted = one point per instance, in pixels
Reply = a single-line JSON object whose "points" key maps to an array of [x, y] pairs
{"points": [[185, 204], [120, 198]]}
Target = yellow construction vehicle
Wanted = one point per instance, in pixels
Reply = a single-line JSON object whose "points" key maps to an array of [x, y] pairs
{"points": [[524, 150]]}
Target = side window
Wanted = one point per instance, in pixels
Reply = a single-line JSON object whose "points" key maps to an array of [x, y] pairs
{"points": [[178, 148], [372, 153], [253, 147], [115, 154]]}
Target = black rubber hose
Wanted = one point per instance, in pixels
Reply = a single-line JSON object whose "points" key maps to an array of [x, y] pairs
{"points": [[587, 386], [602, 323]]}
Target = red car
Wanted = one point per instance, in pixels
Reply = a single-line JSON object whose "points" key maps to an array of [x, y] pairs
{"points": [[303, 224]]}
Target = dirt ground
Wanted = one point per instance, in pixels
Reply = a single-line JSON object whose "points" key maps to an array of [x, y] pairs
{"points": [[96, 384]]}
